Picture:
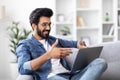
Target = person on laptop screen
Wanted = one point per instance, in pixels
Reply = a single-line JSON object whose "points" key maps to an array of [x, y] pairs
{"points": [[42, 55]]}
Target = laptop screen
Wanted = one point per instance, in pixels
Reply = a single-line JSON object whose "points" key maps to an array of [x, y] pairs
{"points": [[82, 57]]}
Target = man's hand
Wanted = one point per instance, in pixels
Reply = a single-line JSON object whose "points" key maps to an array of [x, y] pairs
{"points": [[82, 44], [59, 52]]}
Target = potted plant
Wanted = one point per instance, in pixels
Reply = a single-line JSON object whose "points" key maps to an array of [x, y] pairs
{"points": [[65, 30], [16, 34]]}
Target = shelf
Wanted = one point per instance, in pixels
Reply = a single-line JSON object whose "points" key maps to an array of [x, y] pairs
{"points": [[65, 37], [118, 9], [87, 9], [109, 22], [107, 36], [89, 20], [87, 28], [69, 23], [119, 27]]}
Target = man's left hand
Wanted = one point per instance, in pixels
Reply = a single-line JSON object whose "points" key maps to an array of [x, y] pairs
{"points": [[82, 44]]}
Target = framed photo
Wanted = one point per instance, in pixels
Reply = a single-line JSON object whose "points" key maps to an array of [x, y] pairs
{"points": [[60, 17], [86, 40]]}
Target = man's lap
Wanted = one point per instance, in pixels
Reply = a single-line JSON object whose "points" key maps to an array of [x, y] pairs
{"points": [[98, 65]]}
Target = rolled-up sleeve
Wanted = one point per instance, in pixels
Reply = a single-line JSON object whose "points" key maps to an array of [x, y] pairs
{"points": [[24, 57], [67, 43], [27, 65]]}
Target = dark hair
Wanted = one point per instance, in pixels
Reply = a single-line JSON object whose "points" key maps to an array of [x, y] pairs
{"points": [[39, 12]]}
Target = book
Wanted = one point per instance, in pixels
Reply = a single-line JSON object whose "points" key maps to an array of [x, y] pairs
{"points": [[119, 20], [111, 31]]}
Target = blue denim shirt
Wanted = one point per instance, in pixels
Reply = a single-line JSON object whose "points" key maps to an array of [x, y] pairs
{"points": [[31, 48]]}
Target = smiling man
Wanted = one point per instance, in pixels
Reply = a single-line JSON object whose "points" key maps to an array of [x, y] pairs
{"points": [[42, 55]]}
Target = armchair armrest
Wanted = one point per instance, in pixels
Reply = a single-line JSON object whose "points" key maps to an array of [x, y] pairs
{"points": [[25, 77]]}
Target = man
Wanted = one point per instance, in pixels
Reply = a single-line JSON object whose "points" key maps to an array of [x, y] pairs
{"points": [[42, 56]]}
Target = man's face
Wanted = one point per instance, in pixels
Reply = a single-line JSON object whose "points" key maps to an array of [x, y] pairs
{"points": [[44, 27]]}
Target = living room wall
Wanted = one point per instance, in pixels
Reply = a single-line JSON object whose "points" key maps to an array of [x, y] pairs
{"points": [[15, 10]]}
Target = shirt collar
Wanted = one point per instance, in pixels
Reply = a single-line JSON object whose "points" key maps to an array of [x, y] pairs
{"points": [[50, 40]]}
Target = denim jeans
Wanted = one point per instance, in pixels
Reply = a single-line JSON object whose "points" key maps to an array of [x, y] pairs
{"points": [[92, 72]]}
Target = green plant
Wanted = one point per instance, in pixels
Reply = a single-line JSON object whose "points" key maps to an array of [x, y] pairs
{"points": [[16, 35], [65, 30]]}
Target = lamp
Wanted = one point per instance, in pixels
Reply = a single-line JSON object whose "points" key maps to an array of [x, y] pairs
{"points": [[2, 12]]}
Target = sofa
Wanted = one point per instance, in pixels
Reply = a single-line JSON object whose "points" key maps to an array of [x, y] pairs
{"points": [[111, 53]]}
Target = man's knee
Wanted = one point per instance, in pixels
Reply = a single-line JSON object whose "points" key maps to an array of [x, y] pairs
{"points": [[25, 77], [101, 63]]}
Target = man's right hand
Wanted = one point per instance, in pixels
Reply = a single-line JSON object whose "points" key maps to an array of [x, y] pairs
{"points": [[53, 53], [58, 52]]}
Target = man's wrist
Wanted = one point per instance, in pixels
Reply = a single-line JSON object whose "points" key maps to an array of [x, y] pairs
{"points": [[48, 55]]}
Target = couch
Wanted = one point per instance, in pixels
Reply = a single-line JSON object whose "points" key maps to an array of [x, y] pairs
{"points": [[111, 53]]}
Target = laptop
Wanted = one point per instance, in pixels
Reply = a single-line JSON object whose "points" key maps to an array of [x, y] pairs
{"points": [[80, 58]]}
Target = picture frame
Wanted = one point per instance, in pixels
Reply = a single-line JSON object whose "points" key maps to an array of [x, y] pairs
{"points": [[60, 17], [86, 40]]}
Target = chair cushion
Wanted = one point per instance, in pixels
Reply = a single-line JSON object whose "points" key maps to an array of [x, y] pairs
{"points": [[112, 72], [111, 51], [25, 77]]}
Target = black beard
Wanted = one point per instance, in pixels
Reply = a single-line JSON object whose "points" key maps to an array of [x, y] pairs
{"points": [[42, 35]]}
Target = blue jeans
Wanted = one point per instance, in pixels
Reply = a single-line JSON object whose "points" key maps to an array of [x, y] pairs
{"points": [[92, 72]]}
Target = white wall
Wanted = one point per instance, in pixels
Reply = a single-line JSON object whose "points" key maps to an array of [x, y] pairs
{"points": [[16, 10]]}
